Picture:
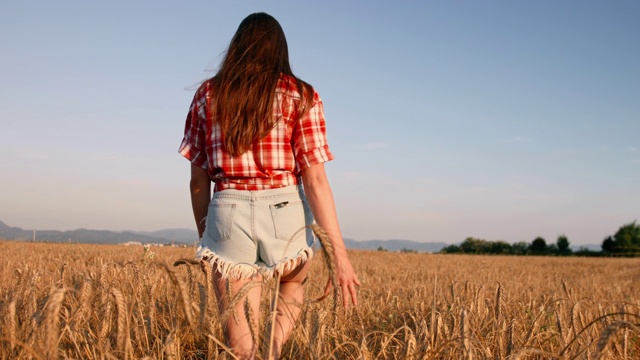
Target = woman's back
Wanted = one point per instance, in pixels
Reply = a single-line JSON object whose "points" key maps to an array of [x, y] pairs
{"points": [[294, 142]]}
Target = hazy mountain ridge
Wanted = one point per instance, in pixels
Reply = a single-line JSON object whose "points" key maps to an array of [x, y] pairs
{"points": [[186, 236], [83, 236], [178, 236], [395, 245], [189, 237]]}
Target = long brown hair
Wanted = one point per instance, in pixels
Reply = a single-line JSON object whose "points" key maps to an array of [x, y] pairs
{"points": [[244, 87]]}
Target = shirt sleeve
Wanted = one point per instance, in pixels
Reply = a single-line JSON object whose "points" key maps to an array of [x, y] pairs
{"points": [[309, 137], [193, 146]]}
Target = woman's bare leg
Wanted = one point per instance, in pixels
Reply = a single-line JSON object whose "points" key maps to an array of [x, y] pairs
{"points": [[289, 304], [237, 330]]}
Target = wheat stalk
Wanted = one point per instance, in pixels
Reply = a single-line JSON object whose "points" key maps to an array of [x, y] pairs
{"points": [[566, 289], [575, 318], [121, 323], [202, 295], [607, 336], [439, 329], [479, 300], [182, 291], [510, 332], [19, 276], [500, 340], [229, 300], [208, 271], [52, 322], [410, 340], [234, 300], [434, 328], [151, 306], [250, 317], [329, 257], [327, 251], [106, 318], [11, 323], [499, 301], [140, 335], [625, 343], [86, 291], [271, 355], [559, 323], [464, 335], [534, 326], [224, 347], [170, 346], [63, 269], [365, 354], [136, 270]]}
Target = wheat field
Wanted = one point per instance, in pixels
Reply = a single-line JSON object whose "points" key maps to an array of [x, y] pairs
{"points": [[78, 301]]}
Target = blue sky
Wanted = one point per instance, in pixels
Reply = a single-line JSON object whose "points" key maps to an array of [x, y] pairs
{"points": [[500, 120]]}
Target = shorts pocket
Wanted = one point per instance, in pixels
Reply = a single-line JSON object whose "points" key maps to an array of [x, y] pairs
{"points": [[220, 221], [288, 218]]}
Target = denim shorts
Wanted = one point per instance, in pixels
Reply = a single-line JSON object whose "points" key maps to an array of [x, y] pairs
{"points": [[262, 231]]}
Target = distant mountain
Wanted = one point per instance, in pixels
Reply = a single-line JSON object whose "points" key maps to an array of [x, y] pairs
{"points": [[186, 236], [179, 236], [8, 232], [395, 245], [83, 236], [590, 247]]}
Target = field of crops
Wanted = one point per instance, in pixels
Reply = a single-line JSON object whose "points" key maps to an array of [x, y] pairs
{"points": [[75, 301]]}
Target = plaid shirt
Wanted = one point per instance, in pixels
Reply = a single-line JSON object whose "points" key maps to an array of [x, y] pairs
{"points": [[272, 162]]}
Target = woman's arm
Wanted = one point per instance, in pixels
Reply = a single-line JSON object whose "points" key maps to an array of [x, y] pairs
{"points": [[200, 186], [320, 197]]}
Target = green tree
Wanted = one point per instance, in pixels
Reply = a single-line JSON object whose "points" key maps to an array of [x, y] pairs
{"points": [[500, 247], [563, 245], [480, 246], [472, 246], [538, 246], [627, 238], [451, 249], [608, 245]]}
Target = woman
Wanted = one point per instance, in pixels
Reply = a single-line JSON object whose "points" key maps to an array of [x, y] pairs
{"points": [[258, 133]]}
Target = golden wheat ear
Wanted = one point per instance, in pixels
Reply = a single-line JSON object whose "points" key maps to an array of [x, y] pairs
{"points": [[121, 310], [52, 322], [329, 258], [186, 261], [609, 334]]}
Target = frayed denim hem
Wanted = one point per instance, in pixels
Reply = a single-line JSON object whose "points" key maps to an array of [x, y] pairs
{"points": [[232, 271]]}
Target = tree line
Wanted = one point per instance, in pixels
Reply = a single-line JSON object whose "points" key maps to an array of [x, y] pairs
{"points": [[625, 242]]}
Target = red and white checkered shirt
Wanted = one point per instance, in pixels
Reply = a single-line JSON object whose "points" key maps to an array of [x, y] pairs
{"points": [[272, 162]]}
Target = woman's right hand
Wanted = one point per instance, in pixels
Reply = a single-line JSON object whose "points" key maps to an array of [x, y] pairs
{"points": [[347, 282]]}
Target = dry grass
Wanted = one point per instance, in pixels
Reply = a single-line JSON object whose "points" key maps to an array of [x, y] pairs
{"points": [[75, 301]]}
